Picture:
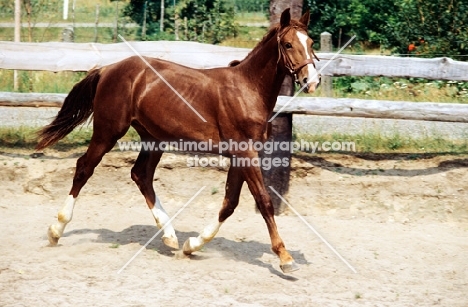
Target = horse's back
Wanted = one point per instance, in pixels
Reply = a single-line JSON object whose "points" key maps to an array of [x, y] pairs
{"points": [[175, 101]]}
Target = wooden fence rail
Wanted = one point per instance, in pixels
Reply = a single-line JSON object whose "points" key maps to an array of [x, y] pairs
{"points": [[446, 112], [86, 56]]}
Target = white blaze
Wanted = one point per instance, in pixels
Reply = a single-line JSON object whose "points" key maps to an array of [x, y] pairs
{"points": [[313, 76]]}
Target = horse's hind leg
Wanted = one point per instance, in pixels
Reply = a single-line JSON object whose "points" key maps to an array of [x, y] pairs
{"points": [[100, 144], [231, 200], [143, 173]]}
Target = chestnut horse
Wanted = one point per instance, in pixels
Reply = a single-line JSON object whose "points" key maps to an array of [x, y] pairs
{"points": [[235, 103]]}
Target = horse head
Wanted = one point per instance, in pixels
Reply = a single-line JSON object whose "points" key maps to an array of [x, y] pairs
{"points": [[295, 51]]}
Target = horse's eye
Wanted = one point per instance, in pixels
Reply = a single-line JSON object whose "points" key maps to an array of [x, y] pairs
{"points": [[288, 45]]}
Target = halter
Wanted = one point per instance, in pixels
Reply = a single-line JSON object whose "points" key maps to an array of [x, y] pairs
{"points": [[293, 70]]}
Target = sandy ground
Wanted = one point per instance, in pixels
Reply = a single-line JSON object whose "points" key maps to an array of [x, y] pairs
{"points": [[401, 222]]}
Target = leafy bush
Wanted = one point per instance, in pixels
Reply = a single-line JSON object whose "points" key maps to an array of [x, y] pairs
{"points": [[442, 24], [366, 19], [208, 21], [401, 88]]}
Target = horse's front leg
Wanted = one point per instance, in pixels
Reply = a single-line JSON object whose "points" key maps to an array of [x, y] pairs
{"points": [[231, 200], [253, 177], [143, 173]]}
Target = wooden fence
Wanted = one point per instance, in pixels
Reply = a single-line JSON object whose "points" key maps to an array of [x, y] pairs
{"points": [[325, 106], [84, 57]]}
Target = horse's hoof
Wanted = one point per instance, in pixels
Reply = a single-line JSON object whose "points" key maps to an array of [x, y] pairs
{"points": [[53, 235], [171, 242], [289, 267], [187, 249]]}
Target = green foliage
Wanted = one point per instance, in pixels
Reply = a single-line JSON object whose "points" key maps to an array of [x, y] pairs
{"points": [[26, 137], [40, 10], [443, 24], [406, 89], [208, 21], [8, 8], [386, 84], [395, 24], [366, 19], [136, 10], [251, 5], [248, 37]]}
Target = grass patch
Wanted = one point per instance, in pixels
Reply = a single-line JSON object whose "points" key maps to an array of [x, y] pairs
{"points": [[375, 142], [17, 137], [367, 142], [400, 89], [250, 17], [248, 37], [40, 81], [26, 138], [51, 11], [54, 34]]}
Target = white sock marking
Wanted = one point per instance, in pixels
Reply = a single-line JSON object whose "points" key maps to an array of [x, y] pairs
{"points": [[64, 217], [162, 218], [208, 233]]}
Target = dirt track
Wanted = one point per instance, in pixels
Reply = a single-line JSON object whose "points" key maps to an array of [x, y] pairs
{"points": [[403, 224]]}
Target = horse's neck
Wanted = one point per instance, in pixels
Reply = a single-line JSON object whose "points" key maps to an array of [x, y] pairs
{"points": [[262, 69]]}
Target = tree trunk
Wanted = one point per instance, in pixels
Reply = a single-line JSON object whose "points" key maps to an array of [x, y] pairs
{"points": [[278, 6], [281, 130], [161, 23]]}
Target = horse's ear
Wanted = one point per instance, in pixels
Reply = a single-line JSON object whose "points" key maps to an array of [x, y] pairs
{"points": [[285, 18], [305, 18]]}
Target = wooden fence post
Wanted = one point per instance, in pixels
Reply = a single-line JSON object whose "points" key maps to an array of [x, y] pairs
{"points": [[278, 177], [68, 35], [326, 81], [17, 39], [96, 23], [281, 126]]}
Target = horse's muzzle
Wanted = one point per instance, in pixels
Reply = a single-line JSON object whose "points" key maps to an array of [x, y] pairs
{"points": [[311, 87]]}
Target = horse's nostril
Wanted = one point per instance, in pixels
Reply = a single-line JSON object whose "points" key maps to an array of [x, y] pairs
{"points": [[304, 80]]}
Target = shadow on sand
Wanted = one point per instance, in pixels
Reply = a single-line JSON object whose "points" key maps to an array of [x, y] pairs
{"points": [[249, 252]]}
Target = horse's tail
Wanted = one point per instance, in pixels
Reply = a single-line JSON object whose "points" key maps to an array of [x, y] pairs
{"points": [[76, 109]]}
